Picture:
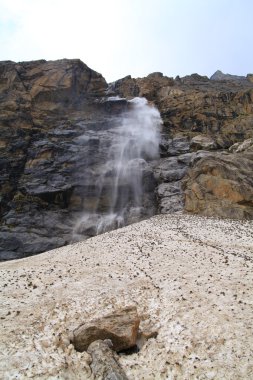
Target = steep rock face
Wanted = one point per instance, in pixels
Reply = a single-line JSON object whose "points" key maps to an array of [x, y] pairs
{"points": [[56, 127], [43, 105], [34, 96], [56, 124], [221, 184], [195, 105], [201, 116]]}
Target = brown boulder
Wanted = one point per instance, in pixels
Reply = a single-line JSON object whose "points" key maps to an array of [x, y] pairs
{"points": [[120, 327]]}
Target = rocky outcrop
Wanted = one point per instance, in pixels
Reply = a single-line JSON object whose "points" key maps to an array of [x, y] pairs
{"points": [[56, 122], [195, 105], [219, 75], [37, 154], [200, 142], [221, 184], [246, 146], [199, 115], [169, 173], [56, 125], [250, 77], [37, 101]]}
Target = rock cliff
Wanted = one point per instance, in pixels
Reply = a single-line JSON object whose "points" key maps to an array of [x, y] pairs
{"points": [[206, 147], [195, 105], [56, 129], [56, 119]]}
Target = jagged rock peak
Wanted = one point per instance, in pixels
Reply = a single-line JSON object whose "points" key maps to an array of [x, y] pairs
{"points": [[219, 75]]}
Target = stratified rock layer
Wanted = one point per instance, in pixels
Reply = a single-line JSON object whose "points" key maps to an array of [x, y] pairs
{"points": [[221, 184]]}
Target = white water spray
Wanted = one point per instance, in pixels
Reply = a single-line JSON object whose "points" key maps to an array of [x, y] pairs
{"points": [[135, 140]]}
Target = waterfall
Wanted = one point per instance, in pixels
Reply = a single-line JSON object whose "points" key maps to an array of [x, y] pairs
{"points": [[125, 174]]}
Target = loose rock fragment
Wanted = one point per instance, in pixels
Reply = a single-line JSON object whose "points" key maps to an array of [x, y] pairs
{"points": [[105, 364], [121, 328]]}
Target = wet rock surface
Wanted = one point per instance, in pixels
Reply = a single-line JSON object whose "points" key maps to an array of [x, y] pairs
{"points": [[194, 105], [57, 124], [200, 115], [57, 127]]}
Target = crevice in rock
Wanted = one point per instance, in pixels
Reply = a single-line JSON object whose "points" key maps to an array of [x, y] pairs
{"points": [[58, 197], [129, 351]]}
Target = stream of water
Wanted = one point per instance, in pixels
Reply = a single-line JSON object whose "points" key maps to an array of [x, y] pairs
{"points": [[120, 186]]}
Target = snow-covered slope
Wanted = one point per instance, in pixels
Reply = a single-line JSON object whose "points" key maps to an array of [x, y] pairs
{"points": [[190, 278]]}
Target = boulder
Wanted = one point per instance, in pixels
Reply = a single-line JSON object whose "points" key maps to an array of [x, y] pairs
{"points": [[120, 327]]}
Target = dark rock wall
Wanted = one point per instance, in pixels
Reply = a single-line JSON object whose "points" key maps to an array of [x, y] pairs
{"points": [[54, 133], [45, 108], [56, 127]]}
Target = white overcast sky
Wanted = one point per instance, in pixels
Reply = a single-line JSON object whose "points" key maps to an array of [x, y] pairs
{"points": [[137, 37]]}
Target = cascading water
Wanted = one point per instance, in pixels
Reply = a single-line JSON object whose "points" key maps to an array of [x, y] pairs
{"points": [[125, 176]]}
